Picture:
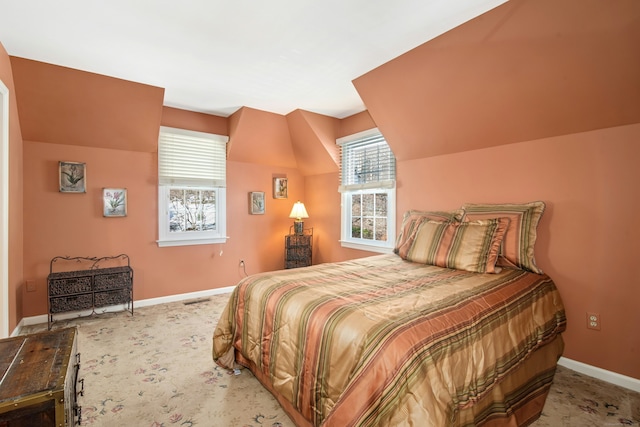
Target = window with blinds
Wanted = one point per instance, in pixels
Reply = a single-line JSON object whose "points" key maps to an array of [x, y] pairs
{"points": [[191, 187], [191, 158], [367, 185], [367, 162]]}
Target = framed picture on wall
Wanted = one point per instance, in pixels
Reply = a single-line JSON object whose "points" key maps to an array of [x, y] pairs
{"points": [[114, 202], [256, 203], [280, 188], [72, 177]]}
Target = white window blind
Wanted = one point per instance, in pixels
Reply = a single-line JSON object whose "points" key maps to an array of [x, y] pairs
{"points": [[191, 158], [366, 162]]}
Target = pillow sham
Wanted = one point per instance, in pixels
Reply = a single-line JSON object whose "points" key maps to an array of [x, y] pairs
{"points": [[412, 218], [471, 246], [519, 240]]}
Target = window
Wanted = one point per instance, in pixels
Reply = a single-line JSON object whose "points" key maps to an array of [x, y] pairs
{"points": [[367, 184], [191, 187]]}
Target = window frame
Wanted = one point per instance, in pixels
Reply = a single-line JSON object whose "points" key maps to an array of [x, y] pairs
{"points": [[167, 238], [347, 241], [389, 188], [185, 238]]}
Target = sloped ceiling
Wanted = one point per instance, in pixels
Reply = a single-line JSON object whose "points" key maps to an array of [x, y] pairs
{"points": [[314, 142], [260, 137], [201, 122], [528, 69], [214, 56], [65, 106]]}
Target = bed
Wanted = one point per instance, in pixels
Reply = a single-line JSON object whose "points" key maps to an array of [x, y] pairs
{"points": [[392, 340]]}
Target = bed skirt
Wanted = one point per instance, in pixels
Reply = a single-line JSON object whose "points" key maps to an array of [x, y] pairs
{"points": [[516, 400]]}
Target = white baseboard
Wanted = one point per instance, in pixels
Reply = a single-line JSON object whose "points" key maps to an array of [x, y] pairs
{"points": [[43, 318], [183, 297], [601, 374]]}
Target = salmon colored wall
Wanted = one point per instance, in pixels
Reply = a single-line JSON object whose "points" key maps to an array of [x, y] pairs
{"points": [[587, 237], [15, 196], [525, 70], [72, 224], [314, 141], [260, 137], [564, 77], [323, 206], [182, 119], [259, 239], [356, 123], [81, 230], [65, 106], [314, 137]]}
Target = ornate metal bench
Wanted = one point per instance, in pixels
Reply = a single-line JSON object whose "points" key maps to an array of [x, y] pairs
{"points": [[89, 283]]}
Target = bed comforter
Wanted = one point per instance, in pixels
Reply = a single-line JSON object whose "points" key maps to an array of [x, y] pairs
{"points": [[383, 341]]}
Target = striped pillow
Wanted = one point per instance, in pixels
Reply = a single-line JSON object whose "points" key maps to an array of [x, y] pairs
{"points": [[519, 241], [413, 218], [472, 246]]}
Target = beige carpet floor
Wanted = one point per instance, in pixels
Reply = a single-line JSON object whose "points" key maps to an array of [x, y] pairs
{"points": [[155, 369]]}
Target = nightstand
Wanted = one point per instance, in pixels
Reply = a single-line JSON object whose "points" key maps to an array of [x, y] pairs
{"points": [[297, 248]]}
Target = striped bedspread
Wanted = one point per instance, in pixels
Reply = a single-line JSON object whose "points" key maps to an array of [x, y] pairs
{"points": [[382, 341]]}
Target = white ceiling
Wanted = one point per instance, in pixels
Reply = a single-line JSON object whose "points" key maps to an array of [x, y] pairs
{"points": [[215, 56]]}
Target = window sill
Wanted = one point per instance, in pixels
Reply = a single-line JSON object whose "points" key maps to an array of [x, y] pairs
{"points": [[191, 242], [363, 247]]}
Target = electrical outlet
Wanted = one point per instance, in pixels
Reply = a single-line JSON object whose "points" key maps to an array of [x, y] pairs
{"points": [[593, 321], [31, 285], [241, 263]]}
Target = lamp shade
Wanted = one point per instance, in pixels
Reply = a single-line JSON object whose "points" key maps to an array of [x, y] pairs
{"points": [[298, 212]]}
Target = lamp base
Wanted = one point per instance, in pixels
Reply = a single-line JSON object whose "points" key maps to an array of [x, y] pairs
{"points": [[298, 227]]}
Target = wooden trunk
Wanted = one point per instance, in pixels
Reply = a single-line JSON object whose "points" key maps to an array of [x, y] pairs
{"points": [[39, 374]]}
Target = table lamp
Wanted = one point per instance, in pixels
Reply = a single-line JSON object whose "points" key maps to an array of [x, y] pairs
{"points": [[298, 212]]}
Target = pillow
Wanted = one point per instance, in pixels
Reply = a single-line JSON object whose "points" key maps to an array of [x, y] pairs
{"points": [[472, 246], [519, 241], [413, 218]]}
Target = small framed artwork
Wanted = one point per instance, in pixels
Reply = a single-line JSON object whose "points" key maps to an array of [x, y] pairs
{"points": [[256, 203], [114, 202], [279, 188], [73, 177]]}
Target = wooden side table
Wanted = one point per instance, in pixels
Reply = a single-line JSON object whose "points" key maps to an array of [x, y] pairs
{"points": [[298, 249]]}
